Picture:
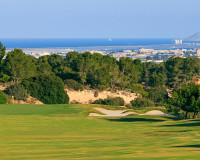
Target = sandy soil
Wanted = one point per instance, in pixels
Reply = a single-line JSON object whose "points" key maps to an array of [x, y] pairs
{"points": [[122, 113], [111, 113], [87, 96], [156, 113]]}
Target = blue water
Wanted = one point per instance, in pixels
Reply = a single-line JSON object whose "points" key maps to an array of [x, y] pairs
{"points": [[46, 43]]}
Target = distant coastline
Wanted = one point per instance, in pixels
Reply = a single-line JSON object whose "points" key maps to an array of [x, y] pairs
{"points": [[81, 45], [66, 43]]}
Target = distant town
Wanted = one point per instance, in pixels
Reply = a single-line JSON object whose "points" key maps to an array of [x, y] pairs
{"points": [[154, 53]]}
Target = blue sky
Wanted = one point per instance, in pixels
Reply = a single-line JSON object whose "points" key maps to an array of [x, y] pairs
{"points": [[99, 18]]}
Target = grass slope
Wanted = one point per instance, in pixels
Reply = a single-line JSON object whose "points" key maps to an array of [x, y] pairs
{"points": [[60, 132]]}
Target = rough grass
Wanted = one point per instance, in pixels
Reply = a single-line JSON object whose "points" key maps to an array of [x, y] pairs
{"points": [[60, 132], [109, 107]]}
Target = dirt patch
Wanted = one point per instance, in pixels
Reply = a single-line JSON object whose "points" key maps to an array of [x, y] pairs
{"points": [[88, 96]]}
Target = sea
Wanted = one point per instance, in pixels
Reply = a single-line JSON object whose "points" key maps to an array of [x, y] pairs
{"points": [[54, 43]]}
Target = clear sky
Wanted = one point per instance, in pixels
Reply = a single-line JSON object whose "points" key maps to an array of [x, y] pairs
{"points": [[99, 18]]}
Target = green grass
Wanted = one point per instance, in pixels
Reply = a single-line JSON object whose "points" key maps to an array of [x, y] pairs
{"points": [[64, 132]]}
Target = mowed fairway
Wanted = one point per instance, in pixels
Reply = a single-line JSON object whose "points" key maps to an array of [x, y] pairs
{"points": [[64, 132]]}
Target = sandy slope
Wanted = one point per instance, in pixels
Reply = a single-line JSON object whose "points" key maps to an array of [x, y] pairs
{"points": [[87, 96]]}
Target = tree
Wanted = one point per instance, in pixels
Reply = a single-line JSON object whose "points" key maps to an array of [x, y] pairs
{"points": [[3, 98], [19, 66], [154, 74], [187, 98], [55, 60], [174, 67], [139, 66], [181, 70], [95, 70], [158, 94], [47, 88], [18, 91], [43, 65], [2, 52], [128, 68]]}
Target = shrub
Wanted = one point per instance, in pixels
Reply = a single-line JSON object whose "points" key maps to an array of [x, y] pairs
{"points": [[18, 91], [3, 98], [138, 88], [101, 87], [158, 94], [118, 101], [73, 84], [47, 88], [142, 102], [4, 78], [96, 94]]}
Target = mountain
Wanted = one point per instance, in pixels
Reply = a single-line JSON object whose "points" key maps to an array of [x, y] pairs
{"points": [[194, 37]]}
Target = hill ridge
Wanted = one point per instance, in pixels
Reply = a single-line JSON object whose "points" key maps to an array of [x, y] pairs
{"points": [[194, 37]]}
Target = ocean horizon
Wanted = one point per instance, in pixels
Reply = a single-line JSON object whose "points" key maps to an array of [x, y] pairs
{"points": [[56, 43]]}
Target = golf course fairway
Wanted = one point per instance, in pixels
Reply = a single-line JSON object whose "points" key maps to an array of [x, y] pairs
{"points": [[64, 132]]}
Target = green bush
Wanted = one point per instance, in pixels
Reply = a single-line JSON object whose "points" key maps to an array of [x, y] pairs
{"points": [[4, 78], [18, 91], [3, 98], [101, 87], [96, 94], [142, 102], [118, 101], [49, 89], [138, 88], [73, 84], [158, 94]]}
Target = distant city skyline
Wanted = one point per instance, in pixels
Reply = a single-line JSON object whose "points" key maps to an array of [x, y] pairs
{"points": [[99, 18]]}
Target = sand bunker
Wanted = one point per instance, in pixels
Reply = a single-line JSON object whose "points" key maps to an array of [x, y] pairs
{"points": [[111, 113], [122, 113], [156, 113]]}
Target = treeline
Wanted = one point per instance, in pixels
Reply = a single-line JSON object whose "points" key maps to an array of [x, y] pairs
{"points": [[96, 71]]}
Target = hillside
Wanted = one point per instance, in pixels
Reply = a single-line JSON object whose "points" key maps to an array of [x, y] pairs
{"points": [[88, 96], [194, 37]]}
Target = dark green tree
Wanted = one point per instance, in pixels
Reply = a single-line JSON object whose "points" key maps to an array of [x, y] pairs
{"points": [[19, 66], [158, 94], [186, 98], [3, 98], [43, 65], [47, 88], [154, 74], [128, 68], [2, 52]]}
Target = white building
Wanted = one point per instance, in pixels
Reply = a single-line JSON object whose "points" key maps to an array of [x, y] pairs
{"points": [[178, 41]]}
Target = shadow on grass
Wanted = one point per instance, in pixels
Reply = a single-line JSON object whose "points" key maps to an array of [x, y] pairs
{"points": [[176, 131], [175, 118], [184, 125], [135, 120], [188, 146]]}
